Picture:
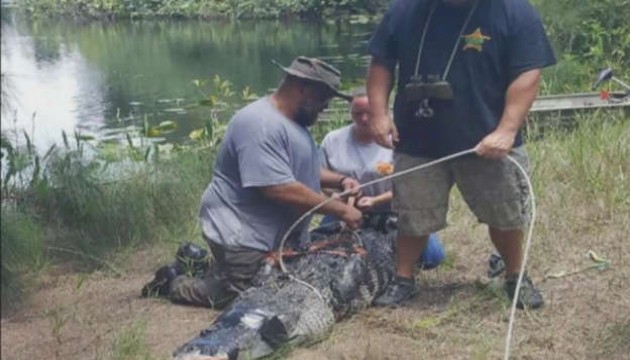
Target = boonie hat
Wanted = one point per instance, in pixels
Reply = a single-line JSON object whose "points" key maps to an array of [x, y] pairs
{"points": [[316, 70]]}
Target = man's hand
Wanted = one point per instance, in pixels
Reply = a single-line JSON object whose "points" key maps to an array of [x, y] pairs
{"points": [[366, 203], [349, 183], [380, 80], [518, 100], [303, 198], [383, 130], [496, 145], [352, 217]]}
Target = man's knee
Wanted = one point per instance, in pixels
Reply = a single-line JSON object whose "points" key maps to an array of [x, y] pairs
{"points": [[207, 291], [238, 266]]}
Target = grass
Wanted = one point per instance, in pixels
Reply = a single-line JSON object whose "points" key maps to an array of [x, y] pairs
{"points": [[612, 341], [71, 215], [593, 157], [580, 178], [130, 343], [22, 253]]}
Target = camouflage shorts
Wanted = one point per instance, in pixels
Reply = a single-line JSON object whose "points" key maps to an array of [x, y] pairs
{"points": [[495, 191]]}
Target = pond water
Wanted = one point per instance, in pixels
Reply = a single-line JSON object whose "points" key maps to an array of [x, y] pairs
{"points": [[98, 78]]}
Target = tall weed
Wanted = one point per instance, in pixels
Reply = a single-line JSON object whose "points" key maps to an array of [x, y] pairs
{"points": [[23, 249], [588, 161], [156, 202], [74, 211]]}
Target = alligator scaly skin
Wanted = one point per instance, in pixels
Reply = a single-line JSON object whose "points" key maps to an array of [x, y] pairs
{"points": [[347, 276]]}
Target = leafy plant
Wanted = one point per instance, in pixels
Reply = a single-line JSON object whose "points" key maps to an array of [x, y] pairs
{"points": [[220, 98]]}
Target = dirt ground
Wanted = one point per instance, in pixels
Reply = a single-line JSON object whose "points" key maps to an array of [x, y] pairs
{"points": [[459, 314]]}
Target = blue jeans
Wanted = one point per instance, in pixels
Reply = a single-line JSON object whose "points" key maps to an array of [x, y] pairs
{"points": [[432, 255]]}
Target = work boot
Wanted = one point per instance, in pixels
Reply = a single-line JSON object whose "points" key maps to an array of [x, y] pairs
{"points": [[496, 265], [398, 292], [192, 259], [160, 286], [528, 297]]}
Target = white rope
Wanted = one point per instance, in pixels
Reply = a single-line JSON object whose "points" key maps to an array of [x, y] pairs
{"points": [[350, 191], [508, 338], [315, 290]]}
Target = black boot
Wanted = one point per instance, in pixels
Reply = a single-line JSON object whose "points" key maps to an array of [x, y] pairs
{"points": [[528, 297], [161, 283], [193, 259], [399, 291], [190, 260]]}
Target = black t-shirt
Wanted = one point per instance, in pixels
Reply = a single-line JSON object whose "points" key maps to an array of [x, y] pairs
{"points": [[503, 39]]}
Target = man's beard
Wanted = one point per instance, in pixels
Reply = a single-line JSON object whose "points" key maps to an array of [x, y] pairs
{"points": [[306, 117]]}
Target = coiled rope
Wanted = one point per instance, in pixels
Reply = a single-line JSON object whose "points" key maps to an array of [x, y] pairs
{"points": [[508, 338]]}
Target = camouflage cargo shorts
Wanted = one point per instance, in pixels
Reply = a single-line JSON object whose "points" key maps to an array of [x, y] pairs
{"points": [[495, 190]]}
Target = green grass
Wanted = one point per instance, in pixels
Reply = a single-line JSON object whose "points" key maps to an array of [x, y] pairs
{"points": [[157, 201], [154, 204], [130, 343], [73, 216], [22, 253], [580, 178], [591, 158]]}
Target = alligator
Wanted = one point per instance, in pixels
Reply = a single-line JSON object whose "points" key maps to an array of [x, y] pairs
{"points": [[338, 274]]}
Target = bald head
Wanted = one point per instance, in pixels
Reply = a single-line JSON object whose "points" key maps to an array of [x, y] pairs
{"points": [[360, 107]]}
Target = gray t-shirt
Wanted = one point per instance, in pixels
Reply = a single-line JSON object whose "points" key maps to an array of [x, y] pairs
{"points": [[261, 147], [340, 152]]}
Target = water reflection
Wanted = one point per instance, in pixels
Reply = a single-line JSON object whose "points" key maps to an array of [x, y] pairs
{"points": [[52, 89], [97, 77]]}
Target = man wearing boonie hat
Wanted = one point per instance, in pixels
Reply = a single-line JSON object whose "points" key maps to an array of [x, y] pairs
{"points": [[266, 175]]}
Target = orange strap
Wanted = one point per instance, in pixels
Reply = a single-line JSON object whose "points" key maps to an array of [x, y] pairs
{"points": [[273, 257]]}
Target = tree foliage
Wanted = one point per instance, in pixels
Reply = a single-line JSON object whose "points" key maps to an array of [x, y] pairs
{"points": [[594, 31], [317, 9]]}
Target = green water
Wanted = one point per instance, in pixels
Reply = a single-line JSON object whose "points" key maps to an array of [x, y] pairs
{"points": [[98, 78]]}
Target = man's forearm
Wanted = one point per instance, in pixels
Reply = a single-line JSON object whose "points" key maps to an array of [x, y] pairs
{"points": [[379, 85], [384, 198], [302, 198], [330, 179], [518, 100]]}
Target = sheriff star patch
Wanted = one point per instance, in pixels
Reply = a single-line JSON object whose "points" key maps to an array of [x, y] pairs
{"points": [[475, 40]]}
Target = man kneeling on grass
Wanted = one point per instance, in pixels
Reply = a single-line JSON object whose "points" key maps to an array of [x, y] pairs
{"points": [[266, 176]]}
